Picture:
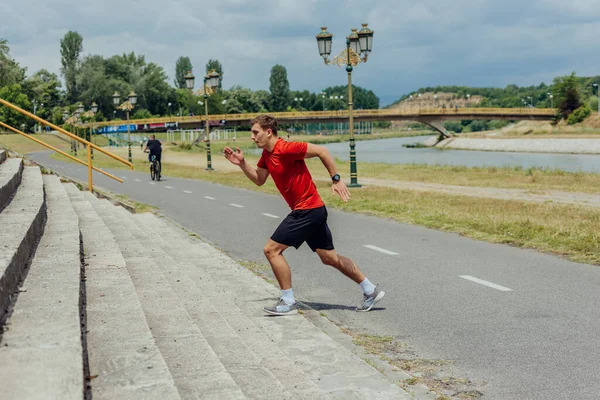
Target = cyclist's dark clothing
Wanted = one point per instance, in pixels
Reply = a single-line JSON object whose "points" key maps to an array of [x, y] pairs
{"points": [[155, 149]]}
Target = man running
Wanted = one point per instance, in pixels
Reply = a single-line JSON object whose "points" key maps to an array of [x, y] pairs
{"points": [[307, 222]]}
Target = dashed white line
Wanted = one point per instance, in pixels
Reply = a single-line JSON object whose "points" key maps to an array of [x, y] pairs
{"points": [[379, 249], [138, 180], [152, 183], [235, 205], [270, 215], [187, 191], [124, 177], [485, 283], [168, 187], [209, 198]]}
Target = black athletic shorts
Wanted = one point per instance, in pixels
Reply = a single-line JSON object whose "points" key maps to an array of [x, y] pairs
{"points": [[308, 226]]}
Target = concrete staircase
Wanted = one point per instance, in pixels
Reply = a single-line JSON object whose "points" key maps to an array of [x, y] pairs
{"points": [[117, 305]]}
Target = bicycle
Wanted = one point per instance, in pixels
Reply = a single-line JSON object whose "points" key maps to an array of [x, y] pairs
{"points": [[154, 168]]}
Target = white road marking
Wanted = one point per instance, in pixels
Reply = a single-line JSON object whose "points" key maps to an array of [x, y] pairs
{"points": [[270, 215], [210, 198], [124, 177], [168, 187], [485, 283], [138, 180], [235, 205], [384, 251], [187, 191], [152, 183]]}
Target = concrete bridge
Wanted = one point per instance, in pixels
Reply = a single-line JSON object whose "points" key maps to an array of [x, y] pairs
{"points": [[434, 117]]}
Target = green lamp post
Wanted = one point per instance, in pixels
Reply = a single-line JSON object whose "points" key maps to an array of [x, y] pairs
{"points": [[358, 46]]}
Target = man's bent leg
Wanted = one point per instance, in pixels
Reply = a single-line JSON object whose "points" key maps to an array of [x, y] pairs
{"points": [[343, 264], [274, 253], [287, 304], [372, 294]]}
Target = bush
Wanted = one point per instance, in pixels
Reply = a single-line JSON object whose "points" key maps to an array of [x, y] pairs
{"points": [[453, 126], [579, 115]]}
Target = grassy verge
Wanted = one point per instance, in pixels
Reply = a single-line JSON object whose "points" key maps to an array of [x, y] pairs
{"points": [[431, 373], [23, 145]]}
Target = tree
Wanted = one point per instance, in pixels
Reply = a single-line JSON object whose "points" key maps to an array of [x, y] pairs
{"points": [[14, 94], [93, 84], [71, 47], [10, 71], [566, 94], [280, 88], [182, 67], [43, 88], [215, 65]]}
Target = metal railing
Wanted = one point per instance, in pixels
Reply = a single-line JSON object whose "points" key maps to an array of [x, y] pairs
{"points": [[324, 115], [88, 145]]}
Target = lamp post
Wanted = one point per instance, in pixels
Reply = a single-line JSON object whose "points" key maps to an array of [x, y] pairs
{"points": [[530, 101], [127, 106], [551, 100], [211, 83], [598, 94], [357, 44], [90, 114], [35, 104]]}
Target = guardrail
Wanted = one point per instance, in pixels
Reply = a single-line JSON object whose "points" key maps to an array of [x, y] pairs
{"points": [[88, 145], [357, 114]]}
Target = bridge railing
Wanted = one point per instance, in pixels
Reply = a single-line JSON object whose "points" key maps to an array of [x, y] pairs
{"points": [[337, 114]]}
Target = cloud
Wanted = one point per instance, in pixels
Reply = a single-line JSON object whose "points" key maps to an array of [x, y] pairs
{"points": [[416, 43]]}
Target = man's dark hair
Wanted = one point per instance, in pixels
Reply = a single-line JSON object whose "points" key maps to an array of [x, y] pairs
{"points": [[266, 122]]}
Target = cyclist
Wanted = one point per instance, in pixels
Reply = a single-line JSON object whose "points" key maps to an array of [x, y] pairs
{"points": [[154, 148]]}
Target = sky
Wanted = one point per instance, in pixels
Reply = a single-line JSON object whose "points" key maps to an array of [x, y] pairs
{"points": [[481, 43]]}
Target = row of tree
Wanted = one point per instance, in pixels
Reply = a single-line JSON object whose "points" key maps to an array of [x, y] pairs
{"points": [[94, 78]]}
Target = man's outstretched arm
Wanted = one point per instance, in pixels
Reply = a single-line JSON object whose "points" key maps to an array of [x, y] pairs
{"points": [[338, 187], [256, 175]]}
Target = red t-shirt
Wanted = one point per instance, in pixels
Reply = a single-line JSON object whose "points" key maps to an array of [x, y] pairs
{"points": [[288, 169]]}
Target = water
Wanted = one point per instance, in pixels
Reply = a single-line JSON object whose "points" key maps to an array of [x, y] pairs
{"points": [[391, 151]]}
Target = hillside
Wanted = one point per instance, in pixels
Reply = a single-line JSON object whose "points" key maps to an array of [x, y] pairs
{"points": [[436, 100]]}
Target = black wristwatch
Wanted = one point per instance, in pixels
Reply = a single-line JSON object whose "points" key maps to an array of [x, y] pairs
{"points": [[335, 178]]}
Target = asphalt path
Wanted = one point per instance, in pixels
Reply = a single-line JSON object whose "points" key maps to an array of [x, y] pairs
{"points": [[519, 323]]}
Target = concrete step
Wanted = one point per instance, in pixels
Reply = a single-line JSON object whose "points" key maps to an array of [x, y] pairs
{"points": [[333, 368], [22, 224], [124, 361], [230, 322], [10, 178], [230, 326], [41, 354], [3, 156], [195, 367]]}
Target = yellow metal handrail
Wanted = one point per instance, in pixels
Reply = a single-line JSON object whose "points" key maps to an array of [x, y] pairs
{"points": [[89, 145], [395, 112]]}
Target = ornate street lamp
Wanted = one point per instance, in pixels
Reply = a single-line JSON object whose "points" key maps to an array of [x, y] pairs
{"points": [[358, 46], [127, 106], [211, 83], [189, 80]]}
